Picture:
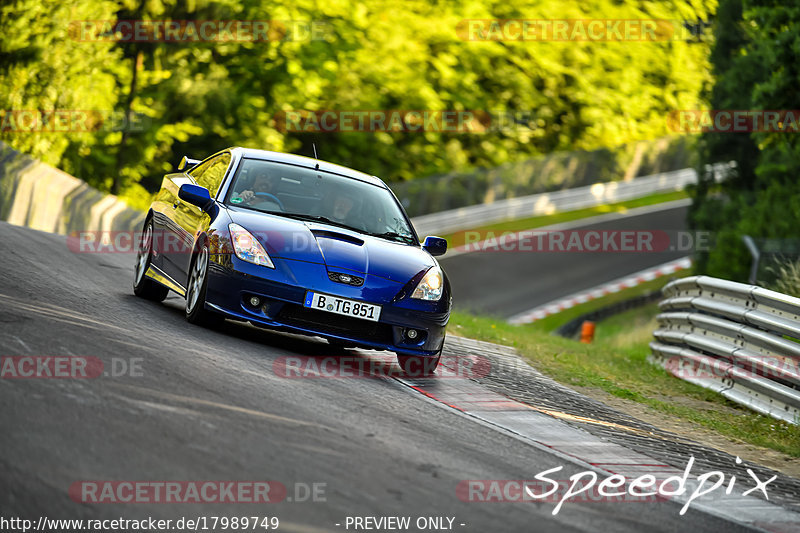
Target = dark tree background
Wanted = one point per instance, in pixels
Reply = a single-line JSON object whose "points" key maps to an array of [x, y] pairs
{"points": [[756, 65]]}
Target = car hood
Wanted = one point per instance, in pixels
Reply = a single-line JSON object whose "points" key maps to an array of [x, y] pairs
{"points": [[339, 249]]}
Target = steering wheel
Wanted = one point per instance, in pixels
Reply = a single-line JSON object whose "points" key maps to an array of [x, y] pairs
{"points": [[271, 197]]}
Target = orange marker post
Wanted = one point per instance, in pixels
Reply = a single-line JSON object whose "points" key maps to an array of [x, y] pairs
{"points": [[587, 332]]}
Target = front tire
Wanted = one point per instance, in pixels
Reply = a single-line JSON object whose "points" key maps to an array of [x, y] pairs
{"points": [[144, 287], [196, 312], [340, 346], [417, 366]]}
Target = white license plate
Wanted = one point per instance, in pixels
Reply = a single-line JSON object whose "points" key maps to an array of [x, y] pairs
{"points": [[342, 306]]}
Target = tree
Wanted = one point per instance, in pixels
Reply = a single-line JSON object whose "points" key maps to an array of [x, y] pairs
{"points": [[755, 66], [200, 96]]}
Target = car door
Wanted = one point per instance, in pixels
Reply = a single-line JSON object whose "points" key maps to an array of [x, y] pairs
{"points": [[171, 240], [189, 218]]}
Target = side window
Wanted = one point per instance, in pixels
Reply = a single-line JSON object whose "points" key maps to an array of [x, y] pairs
{"points": [[210, 173]]}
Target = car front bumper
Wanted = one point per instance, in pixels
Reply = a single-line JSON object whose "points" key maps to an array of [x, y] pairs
{"points": [[230, 288]]}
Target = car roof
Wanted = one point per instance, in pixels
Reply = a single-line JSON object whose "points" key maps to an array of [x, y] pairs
{"points": [[307, 162]]}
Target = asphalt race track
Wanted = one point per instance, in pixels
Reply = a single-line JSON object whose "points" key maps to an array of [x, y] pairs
{"points": [[206, 405], [503, 283]]}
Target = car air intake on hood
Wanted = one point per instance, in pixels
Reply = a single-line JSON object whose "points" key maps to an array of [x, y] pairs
{"points": [[336, 235]]}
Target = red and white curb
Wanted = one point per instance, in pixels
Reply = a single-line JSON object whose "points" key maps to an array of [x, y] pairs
{"points": [[551, 308]]}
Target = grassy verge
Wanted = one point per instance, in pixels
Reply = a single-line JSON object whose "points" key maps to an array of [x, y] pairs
{"points": [[568, 216], [616, 364]]}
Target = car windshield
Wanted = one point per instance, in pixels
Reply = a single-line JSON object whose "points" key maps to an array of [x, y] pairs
{"points": [[308, 194]]}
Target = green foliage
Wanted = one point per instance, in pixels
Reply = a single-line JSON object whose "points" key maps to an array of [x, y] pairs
{"points": [[199, 97], [788, 278], [43, 68], [755, 59]]}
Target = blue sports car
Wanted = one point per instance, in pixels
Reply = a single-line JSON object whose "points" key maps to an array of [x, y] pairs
{"points": [[298, 244]]}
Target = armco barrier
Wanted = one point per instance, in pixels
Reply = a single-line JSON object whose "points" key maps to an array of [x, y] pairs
{"points": [[552, 202], [41, 197], [733, 338]]}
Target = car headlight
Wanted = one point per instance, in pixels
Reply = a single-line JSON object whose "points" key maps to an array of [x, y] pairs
{"points": [[431, 286], [247, 247]]}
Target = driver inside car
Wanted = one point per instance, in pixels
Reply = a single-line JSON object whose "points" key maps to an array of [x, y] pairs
{"points": [[342, 207], [261, 192]]}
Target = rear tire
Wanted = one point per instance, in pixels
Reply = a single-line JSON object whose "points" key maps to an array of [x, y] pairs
{"points": [[144, 287], [196, 312]]}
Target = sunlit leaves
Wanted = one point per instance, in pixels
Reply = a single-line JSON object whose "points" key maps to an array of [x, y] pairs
{"points": [[201, 97]]}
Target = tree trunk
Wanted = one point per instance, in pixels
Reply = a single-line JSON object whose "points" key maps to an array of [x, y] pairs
{"points": [[116, 185]]}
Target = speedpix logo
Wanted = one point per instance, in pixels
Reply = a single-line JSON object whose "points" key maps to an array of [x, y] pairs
{"points": [[588, 487]]}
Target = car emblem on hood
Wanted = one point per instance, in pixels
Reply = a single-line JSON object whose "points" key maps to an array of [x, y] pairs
{"points": [[345, 278]]}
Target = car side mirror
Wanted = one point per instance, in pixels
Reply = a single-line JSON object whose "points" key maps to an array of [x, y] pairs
{"points": [[187, 163], [435, 245], [196, 195]]}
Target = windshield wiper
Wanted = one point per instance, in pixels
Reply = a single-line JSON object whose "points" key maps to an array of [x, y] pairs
{"points": [[313, 218], [394, 236], [389, 235]]}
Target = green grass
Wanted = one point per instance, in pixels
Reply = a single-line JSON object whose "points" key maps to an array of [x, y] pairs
{"points": [[521, 224], [616, 364]]}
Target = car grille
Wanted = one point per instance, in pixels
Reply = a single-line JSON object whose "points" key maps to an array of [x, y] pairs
{"points": [[297, 315]]}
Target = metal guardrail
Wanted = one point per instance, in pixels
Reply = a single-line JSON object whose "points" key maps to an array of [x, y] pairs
{"points": [[735, 339], [564, 200]]}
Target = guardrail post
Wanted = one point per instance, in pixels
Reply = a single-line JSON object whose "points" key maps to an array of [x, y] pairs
{"points": [[756, 254]]}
